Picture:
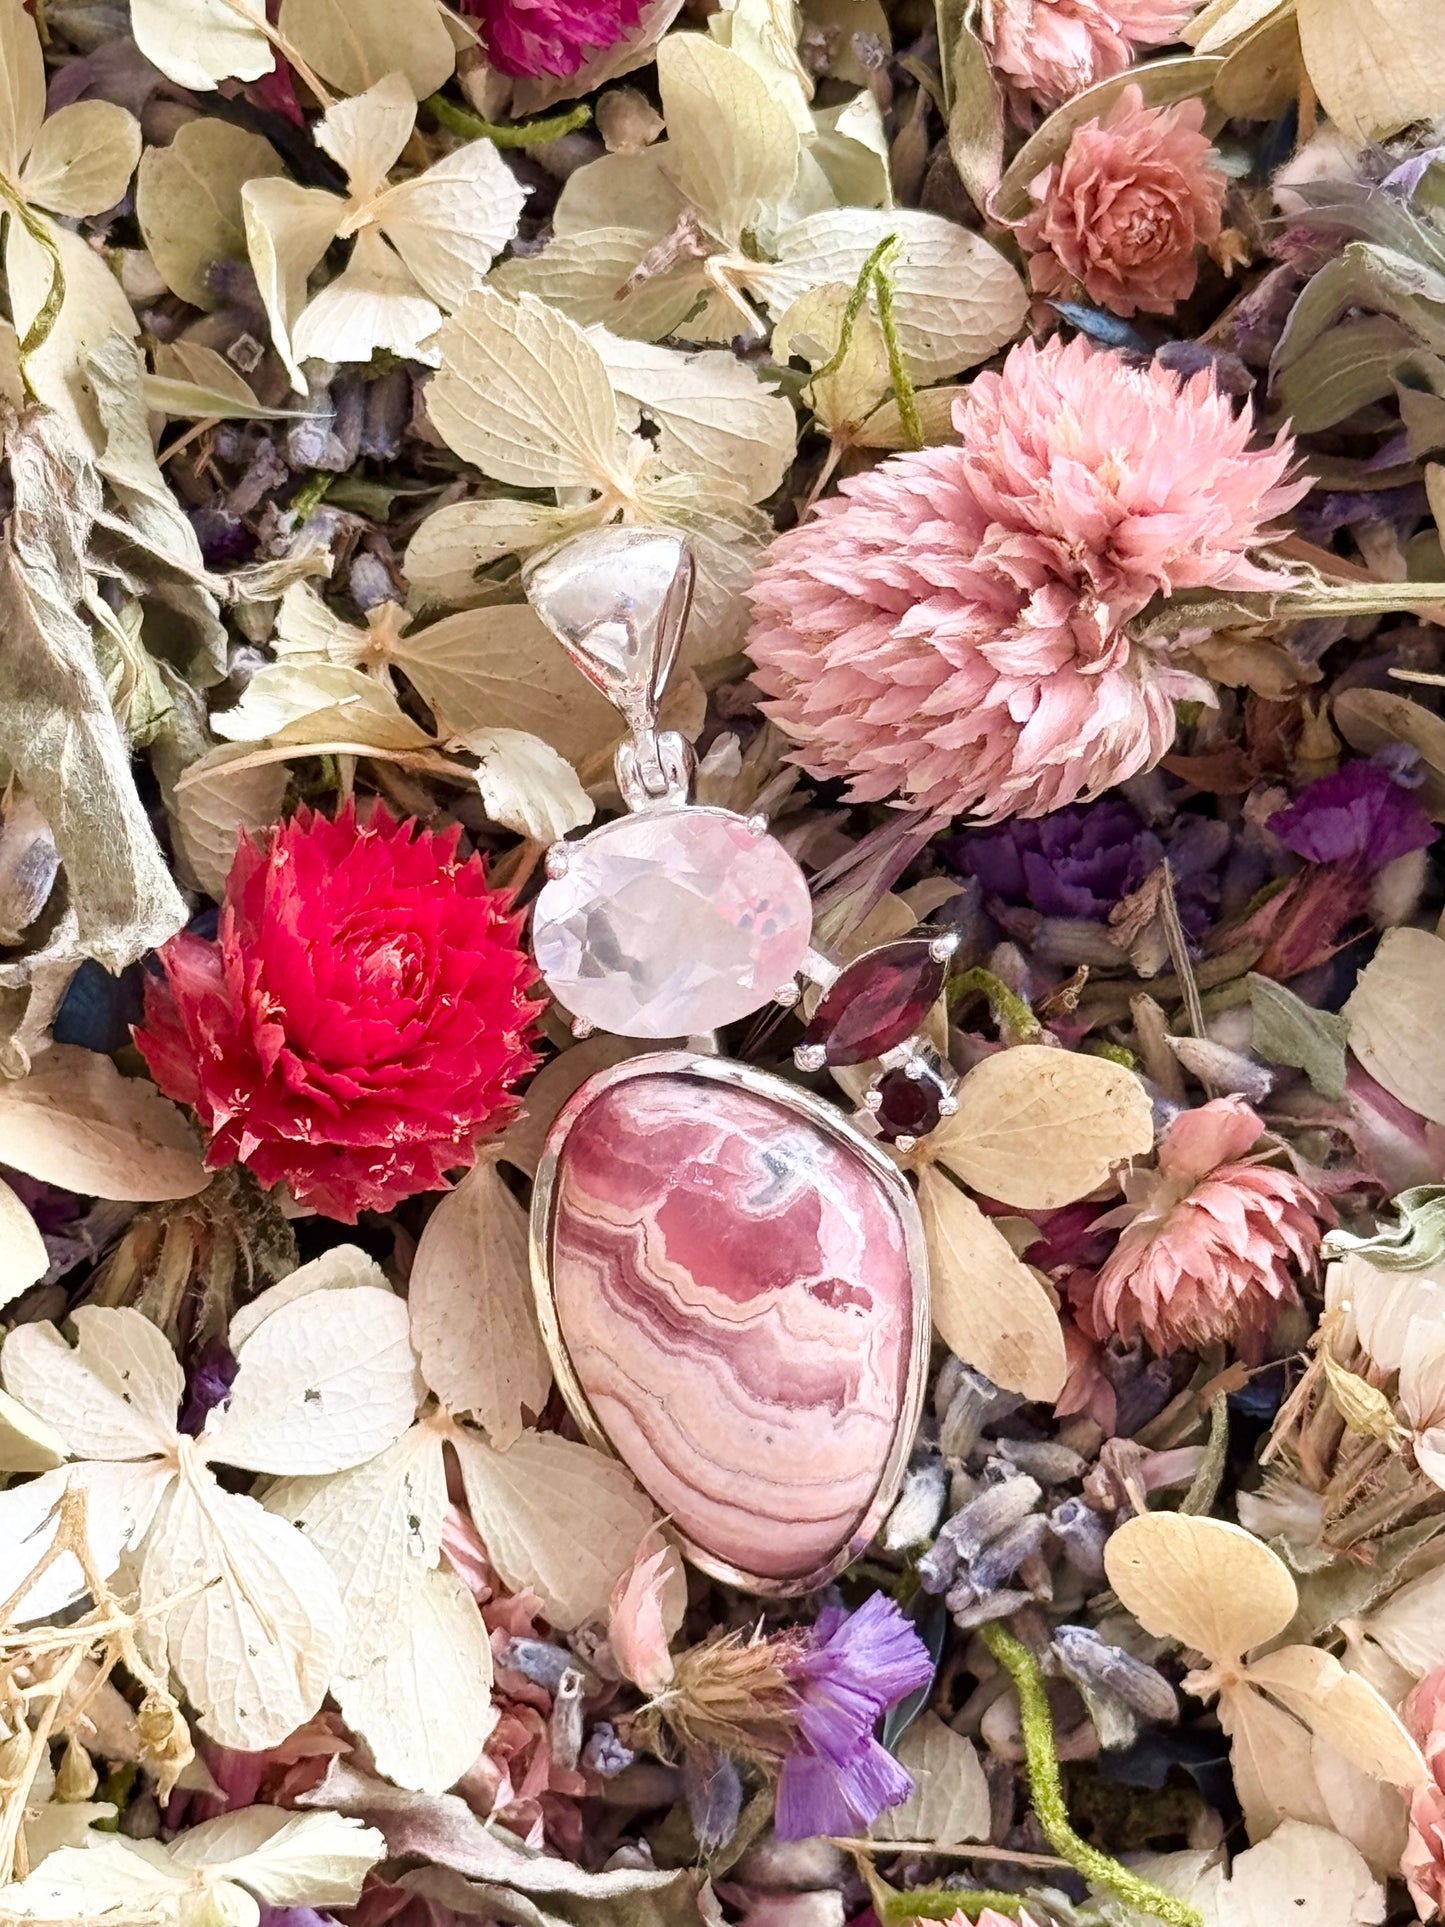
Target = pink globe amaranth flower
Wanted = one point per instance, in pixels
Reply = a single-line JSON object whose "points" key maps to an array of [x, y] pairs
{"points": [[531, 37], [1422, 1865], [1046, 51], [949, 629], [1126, 210], [361, 1019], [1213, 1243]]}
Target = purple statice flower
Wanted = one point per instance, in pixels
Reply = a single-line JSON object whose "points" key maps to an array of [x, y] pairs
{"points": [[1357, 815], [208, 1384], [854, 1667], [1081, 861]]}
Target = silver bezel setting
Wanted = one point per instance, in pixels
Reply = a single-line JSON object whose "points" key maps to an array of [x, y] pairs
{"points": [[836, 1124]]}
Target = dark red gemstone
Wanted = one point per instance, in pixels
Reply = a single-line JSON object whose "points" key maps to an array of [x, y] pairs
{"points": [[877, 1001], [908, 1106]]}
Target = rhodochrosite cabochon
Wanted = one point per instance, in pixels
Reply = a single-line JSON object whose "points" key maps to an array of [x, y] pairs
{"points": [[734, 1288]]}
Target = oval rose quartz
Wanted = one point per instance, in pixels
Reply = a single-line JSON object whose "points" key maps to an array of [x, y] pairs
{"points": [[733, 1287]]}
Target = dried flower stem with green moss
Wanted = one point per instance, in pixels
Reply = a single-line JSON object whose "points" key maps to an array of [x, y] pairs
{"points": [[1047, 1789]]}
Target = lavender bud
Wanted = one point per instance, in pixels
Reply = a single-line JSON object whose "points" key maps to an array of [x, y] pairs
{"points": [[1083, 1534], [388, 409], [538, 1661], [919, 1507], [967, 1410], [961, 1596], [993, 1605], [370, 582], [605, 1754], [991, 1514], [564, 1729], [938, 1565], [1094, 1665], [1053, 1464], [1002, 1558]]}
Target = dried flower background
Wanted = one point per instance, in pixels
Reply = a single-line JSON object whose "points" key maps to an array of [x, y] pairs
{"points": [[1053, 394]]}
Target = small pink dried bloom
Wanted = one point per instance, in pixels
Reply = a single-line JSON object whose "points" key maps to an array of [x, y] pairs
{"points": [[1423, 1862], [1213, 1243], [949, 629], [1126, 210], [1046, 51], [550, 36]]}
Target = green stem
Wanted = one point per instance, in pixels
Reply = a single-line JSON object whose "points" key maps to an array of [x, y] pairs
{"points": [[943, 1903], [1201, 1495], [1206, 609], [501, 133], [1010, 1011], [38, 333], [1046, 1785], [874, 275], [309, 497]]}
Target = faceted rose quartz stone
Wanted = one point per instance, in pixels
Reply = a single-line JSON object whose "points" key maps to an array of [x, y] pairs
{"points": [[733, 1287], [671, 922]]}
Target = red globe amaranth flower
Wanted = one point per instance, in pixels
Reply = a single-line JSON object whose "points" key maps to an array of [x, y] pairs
{"points": [[361, 1019], [530, 37], [1125, 212]]}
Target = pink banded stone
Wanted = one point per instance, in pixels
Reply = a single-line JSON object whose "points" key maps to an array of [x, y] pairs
{"points": [[733, 1287], [671, 922]]}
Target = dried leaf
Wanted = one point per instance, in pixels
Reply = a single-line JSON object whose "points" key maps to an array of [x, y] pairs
{"points": [[258, 1630], [214, 804], [990, 1309], [526, 786], [1301, 1873], [77, 1122], [113, 1395], [95, 307], [22, 86], [199, 43], [318, 703], [555, 1516], [379, 1528], [82, 159], [58, 734], [1214, 1587], [1038, 1127], [188, 202], [27, 1442], [288, 229], [1343, 1709], [732, 147], [327, 1382], [950, 1802], [472, 1317], [1376, 65], [423, 1704], [23, 1257], [525, 395], [355, 43], [1394, 1019], [812, 328], [1289, 1031]]}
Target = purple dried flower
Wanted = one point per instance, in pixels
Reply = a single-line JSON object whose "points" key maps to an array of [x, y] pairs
{"points": [[855, 1666], [1081, 861], [208, 1384], [1359, 814]]}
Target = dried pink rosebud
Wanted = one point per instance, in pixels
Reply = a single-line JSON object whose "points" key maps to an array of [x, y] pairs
{"points": [[1213, 1250], [1046, 51], [951, 628], [1124, 214]]}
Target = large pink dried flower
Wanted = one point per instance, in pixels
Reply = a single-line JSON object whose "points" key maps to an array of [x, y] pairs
{"points": [[1046, 51], [1213, 1243], [1126, 210], [949, 630], [530, 37]]}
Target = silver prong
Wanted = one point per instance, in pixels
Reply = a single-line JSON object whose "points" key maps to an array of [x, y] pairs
{"points": [[582, 1027], [810, 1057], [916, 1069], [787, 994], [873, 1100], [904, 1143], [557, 859], [942, 948], [758, 824], [948, 1107]]}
